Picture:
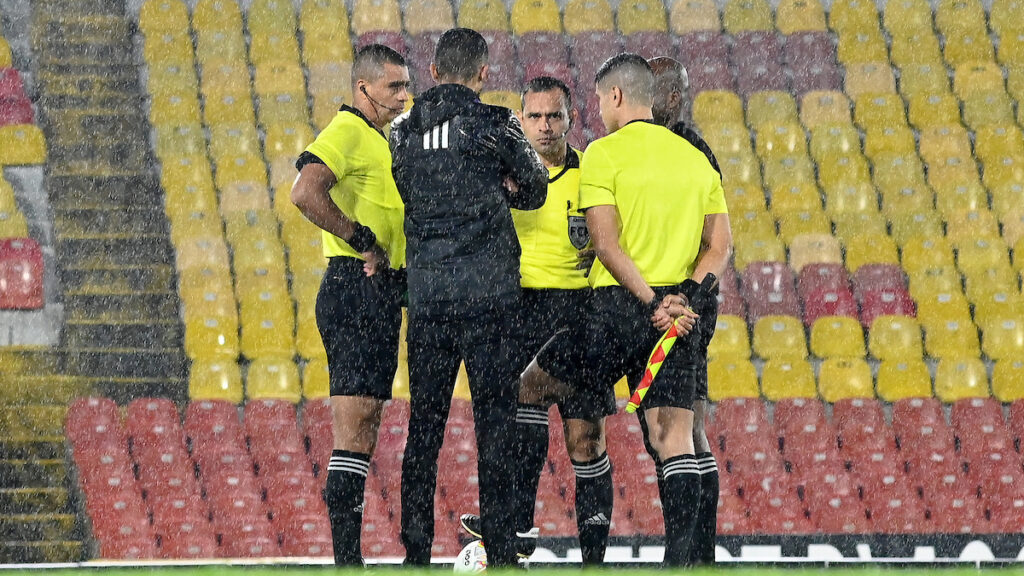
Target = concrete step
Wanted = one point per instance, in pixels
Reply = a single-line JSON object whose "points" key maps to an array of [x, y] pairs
{"points": [[86, 222], [33, 473], [76, 191], [126, 250], [97, 280], [60, 390], [33, 420], [38, 527], [160, 333], [39, 552], [121, 307], [31, 448], [35, 361], [110, 364], [123, 389], [33, 500]]}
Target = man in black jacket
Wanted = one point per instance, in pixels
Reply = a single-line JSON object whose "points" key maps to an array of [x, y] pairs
{"points": [[460, 165]]}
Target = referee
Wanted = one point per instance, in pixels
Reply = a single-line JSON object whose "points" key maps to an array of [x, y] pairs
{"points": [[555, 292], [346, 188], [460, 166], [671, 106], [646, 192]]}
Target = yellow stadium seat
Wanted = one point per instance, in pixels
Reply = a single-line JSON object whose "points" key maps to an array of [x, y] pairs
{"points": [[941, 142], [968, 46], [170, 47], [851, 225], [174, 110], [718, 107], [1004, 170], [838, 170], [273, 378], [988, 109], [269, 47], [1003, 338], [808, 225], [325, 49], [933, 110], [243, 196], [842, 378], [898, 379], [800, 16], [1008, 380], [869, 78], [958, 169], [1010, 52], [250, 226], [641, 16], [959, 378], [268, 331], [907, 14], [172, 79], [852, 16], [997, 141], [240, 168], [948, 314], [209, 337], [781, 170], [993, 291], [483, 15], [925, 78], [504, 98], [430, 16], [209, 252], [279, 78], [1007, 17], [176, 140], [1007, 198], [970, 225], [230, 108], [972, 78], [753, 225], [197, 280], [790, 378], [730, 340], [879, 110], [759, 250], [981, 254], [895, 338], [728, 139], [955, 16], [241, 139], [779, 139], [187, 221], [780, 338], [889, 140], [22, 144], [254, 253], [901, 202], [843, 198], [950, 339], [771, 107], [376, 15], [1012, 222], [307, 335], [221, 46], [831, 139], [316, 381], [216, 16], [861, 47], [915, 48], [928, 280], [693, 16], [861, 250], [740, 169], [13, 225], [215, 380], [6, 59], [819, 108], [796, 197], [746, 16], [1018, 257], [225, 77], [331, 78], [323, 16], [209, 294], [536, 16], [287, 140], [731, 378], [814, 249], [913, 222], [8, 202], [271, 16], [837, 337], [745, 198]]}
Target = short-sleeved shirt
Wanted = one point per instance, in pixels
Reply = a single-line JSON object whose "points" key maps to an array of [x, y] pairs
{"points": [[662, 187], [359, 156], [551, 236]]}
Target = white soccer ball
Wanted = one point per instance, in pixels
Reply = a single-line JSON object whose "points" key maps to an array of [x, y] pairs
{"points": [[472, 559]]}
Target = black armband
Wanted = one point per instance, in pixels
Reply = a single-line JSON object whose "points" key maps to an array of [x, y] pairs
{"points": [[689, 289], [363, 239], [651, 307]]}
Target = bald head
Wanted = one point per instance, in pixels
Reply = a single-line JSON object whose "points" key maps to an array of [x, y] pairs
{"points": [[671, 96]]}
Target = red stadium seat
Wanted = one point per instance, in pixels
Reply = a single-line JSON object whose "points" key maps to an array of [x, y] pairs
{"points": [[11, 86], [821, 277], [958, 516], [254, 539], [740, 412], [821, 486], [710, 76], [912, 413], [15, 111], [974, 412], [796, 413], [389, 38], [548, 46], [152, 411], [841, 515], [852, 415], [703, 46], [421, 54], [755, 48], [886, 302], [589, 51], [897, 516], [760, 78], [502, 51], [648, 43], [803, 49], [139, 547], [732, 516], [780, 514], [878, 277], [189, 546], [829, 303], [559, 70], [768, 289], [21, 273]]}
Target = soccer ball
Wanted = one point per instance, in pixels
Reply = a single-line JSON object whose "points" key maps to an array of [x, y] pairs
{"points": [[472, 559]]}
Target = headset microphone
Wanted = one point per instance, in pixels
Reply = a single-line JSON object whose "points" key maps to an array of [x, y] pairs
{"points": [[367, 94]]}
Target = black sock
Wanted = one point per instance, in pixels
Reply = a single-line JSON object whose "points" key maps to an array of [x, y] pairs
{"points": [[346, 480], [680, 501], [532, 425], [594, 494], [703, 550]]}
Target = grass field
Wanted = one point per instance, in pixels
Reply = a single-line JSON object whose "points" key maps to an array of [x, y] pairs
{"points": [[730, 569]]}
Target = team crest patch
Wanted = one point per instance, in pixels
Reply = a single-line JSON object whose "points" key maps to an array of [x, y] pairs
{"points": [[578, 233]]}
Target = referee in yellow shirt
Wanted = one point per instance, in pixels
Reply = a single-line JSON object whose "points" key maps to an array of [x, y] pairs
{"points": [[646, 192], [555, 291], [346, 188]]}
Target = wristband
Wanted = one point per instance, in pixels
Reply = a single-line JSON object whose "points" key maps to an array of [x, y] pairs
{"points": [[651, 307], [363, 239]]}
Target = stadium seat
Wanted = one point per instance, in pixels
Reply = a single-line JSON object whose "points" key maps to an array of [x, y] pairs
{"points": [[845, 378], [864, 46], [837, 337], [768, 288], [877, 303], [535, 16], [958, 378], [483, 15], [848, 16], [968, 46], [775, 139], [869, 78], [823, 108], [731, 341], [731, 378], [790, 378], [693, 16], [215, 380], [829, 303], [799, 16], [22, 145], [951, 338], [814, 248], [779, 337], [1008, 380], [747, 15], [863, 250], [273, 378], [21, 274], [797, 197], [1003, 338], [895, 338], [635, 16], [895, 139]]}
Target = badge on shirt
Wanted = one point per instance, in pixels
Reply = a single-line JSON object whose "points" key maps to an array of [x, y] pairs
{"points": [[579, 236]]}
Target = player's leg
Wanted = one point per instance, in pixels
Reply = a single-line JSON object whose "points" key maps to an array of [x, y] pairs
{"points": [[586, 442], [703, 549], [433, 366], [360, 330], [487, 345]]}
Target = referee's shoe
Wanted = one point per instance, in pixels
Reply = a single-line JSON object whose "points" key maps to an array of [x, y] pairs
{"points": [[526, 542]]}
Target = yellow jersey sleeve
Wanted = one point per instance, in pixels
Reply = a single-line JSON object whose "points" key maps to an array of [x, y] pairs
{"points": [[331, 147], [716, 200], [597, 178]]}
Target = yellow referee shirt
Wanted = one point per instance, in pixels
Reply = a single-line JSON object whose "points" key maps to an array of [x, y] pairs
{"points": [[662, 187], [360, 157], [551, 236]]}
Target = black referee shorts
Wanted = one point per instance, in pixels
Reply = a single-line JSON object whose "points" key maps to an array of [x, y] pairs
{"points": [[615, 339], [359, 318], [542, 315]]}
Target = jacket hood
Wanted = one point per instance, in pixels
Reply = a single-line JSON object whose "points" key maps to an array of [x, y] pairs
{"points": [[439, 104]]}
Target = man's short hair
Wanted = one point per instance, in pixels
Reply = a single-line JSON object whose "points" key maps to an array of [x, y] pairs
{"points": [[542, 84], [370, 60], [631, 73], [460, 54]]}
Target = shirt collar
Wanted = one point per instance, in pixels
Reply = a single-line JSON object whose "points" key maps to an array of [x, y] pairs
{"points": [[572, 161], [357, 112]]}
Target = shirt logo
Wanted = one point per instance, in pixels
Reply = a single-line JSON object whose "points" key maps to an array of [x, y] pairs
{"points": [[436, 139], [579, 236]]}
